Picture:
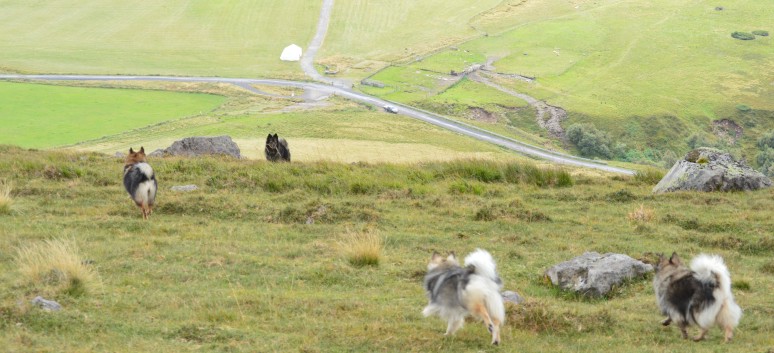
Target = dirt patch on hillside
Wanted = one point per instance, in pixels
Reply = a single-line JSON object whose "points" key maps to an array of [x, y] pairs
{"points": [[727, 130], [482, 115]]}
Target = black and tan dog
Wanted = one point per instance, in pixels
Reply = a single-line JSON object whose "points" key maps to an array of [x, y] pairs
{"points": [[699, 295], [276, 149]]}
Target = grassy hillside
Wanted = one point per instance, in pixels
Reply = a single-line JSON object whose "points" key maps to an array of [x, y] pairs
{"points": [[367, 35], [169, 37], [44, 116], [255, 259], [650, 73]]}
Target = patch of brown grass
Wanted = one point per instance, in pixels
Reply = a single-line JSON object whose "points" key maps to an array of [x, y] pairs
{"points": [[641, 215], [56, 266]]}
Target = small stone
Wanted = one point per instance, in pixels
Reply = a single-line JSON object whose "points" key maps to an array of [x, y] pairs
{"points": [[184, 188], [512, 297], [48, 305]]}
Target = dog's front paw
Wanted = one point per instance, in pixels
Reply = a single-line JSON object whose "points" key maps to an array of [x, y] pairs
{"points": [[667, 321]]}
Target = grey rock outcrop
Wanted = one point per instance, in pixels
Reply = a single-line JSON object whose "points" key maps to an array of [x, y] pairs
{"points": [[709, 169], [198, 146], [594, 275]]}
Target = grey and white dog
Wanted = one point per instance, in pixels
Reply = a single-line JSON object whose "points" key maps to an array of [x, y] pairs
{"points": [[140, 181], [699, 295], [456, 292]]}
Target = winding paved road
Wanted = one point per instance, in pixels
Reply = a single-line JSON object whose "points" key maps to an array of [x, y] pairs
{"points": [[459, 127]]}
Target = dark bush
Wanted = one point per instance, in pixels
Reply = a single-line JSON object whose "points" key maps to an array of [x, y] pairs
{"points": [[590, 141], [622, 195], [761, 33], [743, 35], [765, 157]]}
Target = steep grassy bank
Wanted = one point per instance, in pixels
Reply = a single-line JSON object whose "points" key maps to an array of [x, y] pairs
{"points": [[253, 260]]}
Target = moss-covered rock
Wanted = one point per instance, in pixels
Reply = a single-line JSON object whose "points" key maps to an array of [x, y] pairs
{"points": [[709, 169]]}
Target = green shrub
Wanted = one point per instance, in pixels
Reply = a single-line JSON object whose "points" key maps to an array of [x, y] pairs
{"points": [[761, 33], [743, 35], [743, 108], [765, 159], [767, 140], [590, 141]]}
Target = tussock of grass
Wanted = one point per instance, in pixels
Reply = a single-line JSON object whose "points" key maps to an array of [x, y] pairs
{"points": [[362, 248], [56, 265], [641, 215], [6, 201], [512, 211], [649, 176], [536, 316], [768, 268]]}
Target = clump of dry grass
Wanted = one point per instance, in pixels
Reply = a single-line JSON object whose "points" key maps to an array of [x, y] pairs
{"points": [[641, 215], [56, 265], [6, 201], [362, 248]]}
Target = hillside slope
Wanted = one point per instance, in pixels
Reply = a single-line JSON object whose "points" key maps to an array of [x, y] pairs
{"points": [[254, 259]]}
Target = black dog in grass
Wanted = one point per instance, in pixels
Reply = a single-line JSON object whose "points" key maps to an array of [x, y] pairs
{"points": [[276, 149]]}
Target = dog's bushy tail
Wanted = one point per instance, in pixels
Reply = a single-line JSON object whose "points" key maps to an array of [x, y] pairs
{"points": [[484, 264], [711, 268]]}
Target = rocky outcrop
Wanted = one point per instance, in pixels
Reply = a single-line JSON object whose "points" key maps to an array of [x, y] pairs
{"points": [[709, 169], [198, 146], [594, 275]]}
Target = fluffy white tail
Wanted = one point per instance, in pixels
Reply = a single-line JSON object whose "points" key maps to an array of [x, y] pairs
{"points": [[711, 268], [484, 264]]}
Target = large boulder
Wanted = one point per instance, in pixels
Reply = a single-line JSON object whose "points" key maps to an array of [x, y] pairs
{"points": [[594, 275], [197, 146], [709, 169]]}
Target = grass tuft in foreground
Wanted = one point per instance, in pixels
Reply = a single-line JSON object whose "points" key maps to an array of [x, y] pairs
{"points": [[6, 200], [362, 248], [55, 267]]}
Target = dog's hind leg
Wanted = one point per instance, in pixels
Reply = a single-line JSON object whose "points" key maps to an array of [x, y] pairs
{"points": [[682, 326], [702, 333], [495, 332], [728, 333], [479, 310], [454, 325]]}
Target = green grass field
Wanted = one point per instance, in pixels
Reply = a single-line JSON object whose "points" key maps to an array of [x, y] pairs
{"points": [[169, 37], [45, 116], [235, 267]]}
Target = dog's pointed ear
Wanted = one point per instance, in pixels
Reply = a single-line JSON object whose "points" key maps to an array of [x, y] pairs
{"points": [[142, 149], [452, 256], [436, 257], [131, 150], [674, 259]]}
